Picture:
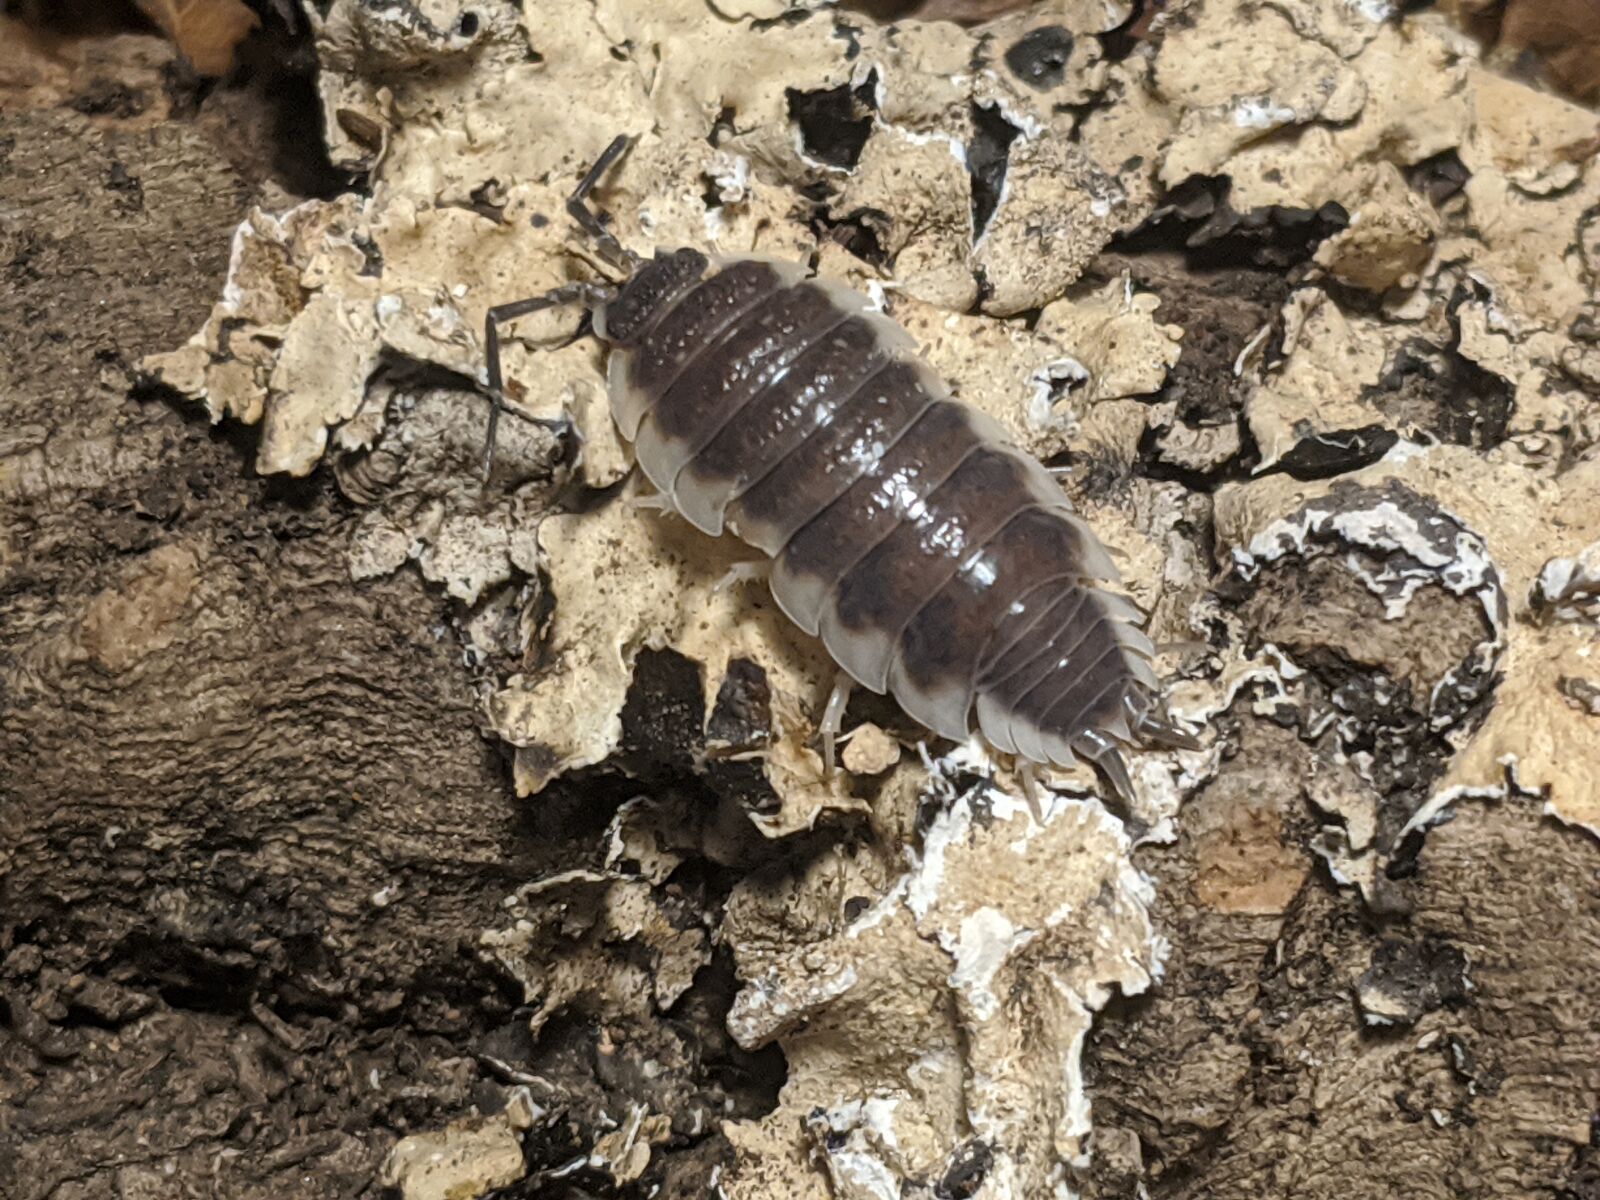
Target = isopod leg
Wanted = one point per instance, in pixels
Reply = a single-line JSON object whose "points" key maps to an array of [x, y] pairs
{"points": [[568, 293], [751, 571], [833, 718], [651, 502]]}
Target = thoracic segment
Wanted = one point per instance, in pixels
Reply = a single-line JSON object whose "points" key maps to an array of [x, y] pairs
{"points": [[936, 561]]}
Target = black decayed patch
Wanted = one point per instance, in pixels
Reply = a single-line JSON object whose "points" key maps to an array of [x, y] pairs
{"points": [[1438, 391], [1415, 978], [835, 123], [1439, 176], [1324, 455], [1216, 236], [988, 155], [644, 296], [965, 1174], [1039, 57]]}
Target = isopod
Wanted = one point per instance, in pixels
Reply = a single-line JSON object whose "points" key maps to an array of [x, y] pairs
{"points": [[936, 560]]}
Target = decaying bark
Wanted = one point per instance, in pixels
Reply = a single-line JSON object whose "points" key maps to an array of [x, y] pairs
{"points": [[248, 822], [275, 920]]}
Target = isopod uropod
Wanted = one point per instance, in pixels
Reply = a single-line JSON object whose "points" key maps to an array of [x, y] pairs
{"points": [[936, 560]]}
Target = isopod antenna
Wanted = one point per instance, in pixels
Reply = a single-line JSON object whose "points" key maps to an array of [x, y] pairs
{"points": [[614, 253]]}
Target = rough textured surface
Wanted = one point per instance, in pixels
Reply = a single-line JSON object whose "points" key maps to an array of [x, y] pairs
{"points": [[187, 892], [465, 837], [1252, 1070], [249, 825]]}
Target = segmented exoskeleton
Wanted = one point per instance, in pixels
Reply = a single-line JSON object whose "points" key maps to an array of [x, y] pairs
{"points": [[936, 560]]}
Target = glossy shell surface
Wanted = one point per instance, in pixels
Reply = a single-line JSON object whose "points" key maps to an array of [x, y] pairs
{"points": [[936, 560]]}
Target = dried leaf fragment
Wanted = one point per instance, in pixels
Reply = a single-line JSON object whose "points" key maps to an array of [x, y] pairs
{"points": [[206, 32]]}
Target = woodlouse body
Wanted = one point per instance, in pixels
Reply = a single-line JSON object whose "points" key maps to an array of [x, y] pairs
{"points": [[936, 560]]}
